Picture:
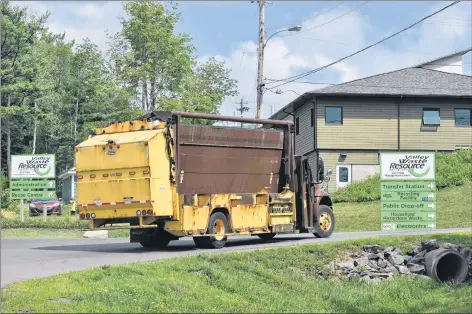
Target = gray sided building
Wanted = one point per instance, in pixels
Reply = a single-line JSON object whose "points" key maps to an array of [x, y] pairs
{"points": [[412, 109]]}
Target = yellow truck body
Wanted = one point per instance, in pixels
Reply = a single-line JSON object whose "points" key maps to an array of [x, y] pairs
{"points": [[163, 181]]}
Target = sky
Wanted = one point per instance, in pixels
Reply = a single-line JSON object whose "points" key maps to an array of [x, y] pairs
{"points": [[228, 30]]}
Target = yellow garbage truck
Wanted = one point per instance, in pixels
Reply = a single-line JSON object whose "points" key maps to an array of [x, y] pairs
{"points": [[164, 179]]}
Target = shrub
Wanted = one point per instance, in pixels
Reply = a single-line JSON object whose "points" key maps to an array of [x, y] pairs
{"points": [[49, 223], [453, 169], [361, 191], [14, 206]]}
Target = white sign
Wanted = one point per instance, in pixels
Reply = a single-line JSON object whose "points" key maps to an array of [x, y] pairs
{"points": [[33, 166], [407, 166]]}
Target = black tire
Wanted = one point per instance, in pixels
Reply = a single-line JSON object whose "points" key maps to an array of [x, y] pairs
{"points": [[217, 220], [146, 244], [159, 240], [266, 236], [323, 229]]}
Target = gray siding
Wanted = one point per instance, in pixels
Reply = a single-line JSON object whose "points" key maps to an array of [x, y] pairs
{"points": [[304, 141]]}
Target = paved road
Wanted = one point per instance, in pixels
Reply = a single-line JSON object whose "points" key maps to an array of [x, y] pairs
{"points": [[23, 259]]}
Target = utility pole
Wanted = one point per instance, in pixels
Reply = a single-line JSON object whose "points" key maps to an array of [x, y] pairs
{"points": [[242, 108], [260, 60]]}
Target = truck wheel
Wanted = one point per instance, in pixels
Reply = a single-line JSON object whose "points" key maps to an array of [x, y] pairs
{"points": [[324, 225], [218, 224], [159, 240], [266, 236]]}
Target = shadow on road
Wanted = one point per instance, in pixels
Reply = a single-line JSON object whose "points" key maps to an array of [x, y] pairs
{"points": [[174, 246]]}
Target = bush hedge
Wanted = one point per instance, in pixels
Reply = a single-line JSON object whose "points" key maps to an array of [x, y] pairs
{"points": [[49, 223], [452, 169]]}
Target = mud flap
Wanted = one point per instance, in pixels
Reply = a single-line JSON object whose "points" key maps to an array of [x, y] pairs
{"points": [[141, 235]]}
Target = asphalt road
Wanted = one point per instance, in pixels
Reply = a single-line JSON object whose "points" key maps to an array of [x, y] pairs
{"points": [[23, 259]]}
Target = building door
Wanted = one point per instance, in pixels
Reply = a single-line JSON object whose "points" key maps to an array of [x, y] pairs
{"points": [[343, 175]]}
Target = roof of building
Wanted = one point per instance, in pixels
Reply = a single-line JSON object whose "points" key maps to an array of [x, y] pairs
{"points": [[408, 82], [68, 173], [458, 53]]}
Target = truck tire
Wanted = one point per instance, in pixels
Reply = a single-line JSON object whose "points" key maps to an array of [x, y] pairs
{"points": [[325, 222], [218, 224], [159, 240], [266, 236]]}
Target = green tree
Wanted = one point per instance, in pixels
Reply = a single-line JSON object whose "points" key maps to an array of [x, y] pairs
{"points": [[19, 33], [158, 67]]}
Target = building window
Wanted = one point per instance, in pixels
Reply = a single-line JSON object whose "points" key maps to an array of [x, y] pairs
{"points": [[312, 117], [297, 126], [463, 117], [431, 116], [343, 174], [334, 115]]}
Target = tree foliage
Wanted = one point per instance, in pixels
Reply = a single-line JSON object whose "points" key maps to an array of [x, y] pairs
{"points": [[54, 92]]}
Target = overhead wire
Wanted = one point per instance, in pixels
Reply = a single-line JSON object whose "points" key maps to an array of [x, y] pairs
{"points": [[299, 76], [323, 24]]}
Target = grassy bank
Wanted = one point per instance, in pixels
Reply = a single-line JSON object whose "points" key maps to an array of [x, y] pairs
{"points": [[275, 280], [454, 210]]}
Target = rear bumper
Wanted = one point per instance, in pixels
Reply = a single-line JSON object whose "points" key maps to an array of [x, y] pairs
{"points": [[50, 210]]}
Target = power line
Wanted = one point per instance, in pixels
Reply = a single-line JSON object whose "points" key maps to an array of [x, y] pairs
{"points": [[332, 20], [330, 9], [299, 76]]}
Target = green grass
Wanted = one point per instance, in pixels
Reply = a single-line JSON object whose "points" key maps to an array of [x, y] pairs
{"points": [[454, 210], [55, 233], [271, 280]]}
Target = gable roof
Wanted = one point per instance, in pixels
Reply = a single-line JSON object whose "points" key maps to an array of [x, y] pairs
{"points": [[461, 53], [412, 82]]}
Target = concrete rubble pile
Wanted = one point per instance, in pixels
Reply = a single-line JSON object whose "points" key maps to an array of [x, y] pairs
{"points": [[375, 263]]}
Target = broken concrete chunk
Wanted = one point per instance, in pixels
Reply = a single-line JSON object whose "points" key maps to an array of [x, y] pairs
{"points": [[96, 234], [382, 264], [430, 245], [396, 259], [361, 261], [403, 269], [415, 268]]}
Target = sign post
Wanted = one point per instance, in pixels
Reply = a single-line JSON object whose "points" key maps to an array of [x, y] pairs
{"points": [[407, 191], [32, 177]]}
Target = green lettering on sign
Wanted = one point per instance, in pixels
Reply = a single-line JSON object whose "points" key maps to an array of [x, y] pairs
{"points": [[408, 216], [408, 196], [32, 184], [400, 226], [408, 206], [32, 195], [412, 186]]}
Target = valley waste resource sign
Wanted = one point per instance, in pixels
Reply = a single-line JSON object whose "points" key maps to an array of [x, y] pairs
{"points": [[407, 191], [33, 177]]}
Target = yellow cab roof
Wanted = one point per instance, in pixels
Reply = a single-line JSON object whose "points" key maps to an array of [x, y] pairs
{"points": [[120, 138]]}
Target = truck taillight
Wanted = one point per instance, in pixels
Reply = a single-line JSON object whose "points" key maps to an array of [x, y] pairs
{"points": [[93, 216], [87, 216], [138, 213], [105, 175], [80, 177], [82, 216], [92, 176], [118, 174], [146, 172], [132, 173], [143, 213], [149, 212]]}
